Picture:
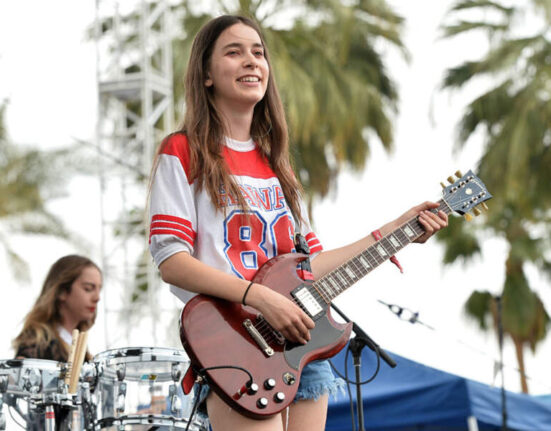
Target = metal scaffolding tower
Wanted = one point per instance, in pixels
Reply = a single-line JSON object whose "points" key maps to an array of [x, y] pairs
{"points": [[135, 111]]}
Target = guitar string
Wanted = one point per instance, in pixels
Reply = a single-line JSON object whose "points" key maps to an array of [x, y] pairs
{"points": [[339, 279]]}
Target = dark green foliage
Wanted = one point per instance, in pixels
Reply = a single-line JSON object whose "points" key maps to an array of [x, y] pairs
{"points": [[513, 115], [478, 307]]}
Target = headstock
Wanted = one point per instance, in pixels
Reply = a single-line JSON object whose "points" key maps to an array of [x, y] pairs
{"points": [[466, 193]]}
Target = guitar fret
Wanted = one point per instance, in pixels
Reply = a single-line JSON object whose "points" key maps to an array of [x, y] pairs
{"points": [[364, 262], [387, 244], [318, 294], [402, 234], [340, 277], [381, 250], [374, 259], [409, 232], [350, 273], [334, 283], [345, 272], [327, 287], [395, 242], [358, 267]]}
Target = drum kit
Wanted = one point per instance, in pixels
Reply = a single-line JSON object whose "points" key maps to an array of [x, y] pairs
{"points": [[136, 388]]}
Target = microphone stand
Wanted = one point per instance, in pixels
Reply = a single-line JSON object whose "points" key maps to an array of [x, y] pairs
{"points": [[500, 340], [356, 344]]}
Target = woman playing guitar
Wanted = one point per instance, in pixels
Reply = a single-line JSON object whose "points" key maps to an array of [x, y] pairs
{"points": [[224, 200]]}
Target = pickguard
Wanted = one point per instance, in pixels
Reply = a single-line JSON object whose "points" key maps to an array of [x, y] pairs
{"points": [[324, 334]]}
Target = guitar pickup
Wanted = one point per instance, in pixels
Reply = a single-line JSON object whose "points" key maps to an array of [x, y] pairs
{"points": [[307, 301], [258, 338]]}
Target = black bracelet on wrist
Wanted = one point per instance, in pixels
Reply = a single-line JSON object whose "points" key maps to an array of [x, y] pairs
{"points": [[246, 291]]}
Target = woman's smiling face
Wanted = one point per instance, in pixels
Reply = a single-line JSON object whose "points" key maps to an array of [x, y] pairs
{"points": [[238, 70]]}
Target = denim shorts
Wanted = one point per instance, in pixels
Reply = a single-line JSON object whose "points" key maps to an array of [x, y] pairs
{"points": [[317, 379]]}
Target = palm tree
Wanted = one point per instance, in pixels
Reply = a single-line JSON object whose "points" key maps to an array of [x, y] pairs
{"points": [[514, 117], [29, 178], [334, 84]]}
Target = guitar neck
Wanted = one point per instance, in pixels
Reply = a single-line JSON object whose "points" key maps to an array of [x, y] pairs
{"points": [[344, 276]]}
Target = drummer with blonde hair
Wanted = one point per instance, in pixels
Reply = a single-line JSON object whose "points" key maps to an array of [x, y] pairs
{"points": [[68, 301]]}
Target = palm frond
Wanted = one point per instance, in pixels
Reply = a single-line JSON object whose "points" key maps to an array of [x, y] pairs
{"points": [[479, 308], [467, 26], [19, 268], [478, 4]]}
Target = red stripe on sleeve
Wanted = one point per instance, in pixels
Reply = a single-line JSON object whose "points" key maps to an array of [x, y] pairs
{"points": [[173, 226], [169, 218], [313, 243], [177, 233], [163, 224]]}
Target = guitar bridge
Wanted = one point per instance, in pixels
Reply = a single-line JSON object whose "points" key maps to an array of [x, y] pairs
{"points": [[263, 323], [258, 338]]}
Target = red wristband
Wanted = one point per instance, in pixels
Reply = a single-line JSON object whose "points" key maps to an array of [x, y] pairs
{"points": [[377, 235]]}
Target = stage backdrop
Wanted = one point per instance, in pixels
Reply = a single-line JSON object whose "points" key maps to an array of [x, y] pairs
{"points": [[413, 396]]}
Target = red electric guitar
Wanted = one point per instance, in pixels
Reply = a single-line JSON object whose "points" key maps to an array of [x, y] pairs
{"points": [[218, 333]]}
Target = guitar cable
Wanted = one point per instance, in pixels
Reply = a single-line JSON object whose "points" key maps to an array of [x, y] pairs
{"points": [[202, 379], [11, 402], [350, 382], [13, 418]]}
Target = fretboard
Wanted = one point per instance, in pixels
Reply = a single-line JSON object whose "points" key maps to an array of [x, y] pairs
{"points": [[344, 276]]}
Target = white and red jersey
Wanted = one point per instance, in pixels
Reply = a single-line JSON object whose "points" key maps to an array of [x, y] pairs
{"points": [[185, 219]]}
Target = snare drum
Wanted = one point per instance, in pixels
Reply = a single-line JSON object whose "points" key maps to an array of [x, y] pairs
{"points": [[139, 387], [31, 386], [26, 377]]}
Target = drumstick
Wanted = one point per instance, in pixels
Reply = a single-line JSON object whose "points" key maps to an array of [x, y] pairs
{"points": [[71, 359], [79, 359]]}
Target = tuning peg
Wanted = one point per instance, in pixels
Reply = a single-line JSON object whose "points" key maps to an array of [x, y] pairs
{"points": [[468, 217], [477, 212], [458, 174], [484, 206], [443, 185], [451, 179]]}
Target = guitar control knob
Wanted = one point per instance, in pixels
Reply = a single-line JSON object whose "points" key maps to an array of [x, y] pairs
{"points": [[252, 389], [269, 383], [279, 397], [262, 403], [289, 379]]}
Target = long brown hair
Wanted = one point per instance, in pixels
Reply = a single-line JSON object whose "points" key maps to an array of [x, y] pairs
{"points": [[205, 129], [40, 325]]}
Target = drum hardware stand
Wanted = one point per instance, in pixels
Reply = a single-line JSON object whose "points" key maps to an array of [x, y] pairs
{"points": [[175, 403], [2, 415], [4, 381], [89, 377], [121, 387], [48, 401], [356, 345]]}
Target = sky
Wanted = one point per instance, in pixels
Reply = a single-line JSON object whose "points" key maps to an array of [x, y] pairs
{"points": [[48, 75]]}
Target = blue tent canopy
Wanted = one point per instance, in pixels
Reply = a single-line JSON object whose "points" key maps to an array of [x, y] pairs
{"points": [[413, 396]]}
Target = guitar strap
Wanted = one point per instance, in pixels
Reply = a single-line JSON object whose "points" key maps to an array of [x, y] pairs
{"points": [[301, 246]]}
